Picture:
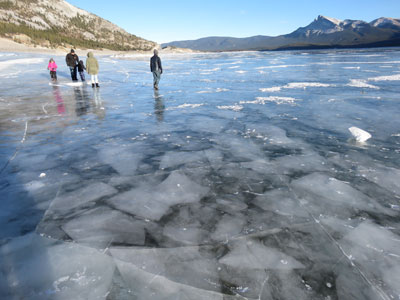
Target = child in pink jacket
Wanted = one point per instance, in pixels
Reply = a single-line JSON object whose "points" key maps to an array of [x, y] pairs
{"points": [[52, 67]]}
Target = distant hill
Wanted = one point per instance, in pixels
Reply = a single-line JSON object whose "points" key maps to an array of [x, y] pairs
{"points": [[323, 32], [56, 23]]}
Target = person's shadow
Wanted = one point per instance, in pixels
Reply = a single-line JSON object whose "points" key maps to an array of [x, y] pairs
{"points": [[159, 106], [82, 101]]}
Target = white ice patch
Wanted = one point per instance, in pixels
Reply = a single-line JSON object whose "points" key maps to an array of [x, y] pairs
{"points": [[304, 85], [361, 84], [386, 78], [185, 105], [275, 99], [359, 134], [271, 89], [231, 107]]}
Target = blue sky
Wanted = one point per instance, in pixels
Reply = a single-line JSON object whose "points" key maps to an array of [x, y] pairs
{"points": [[170, 20]]}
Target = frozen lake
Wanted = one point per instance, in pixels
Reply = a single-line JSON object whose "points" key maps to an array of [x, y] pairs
{"points": [[238, 179]]}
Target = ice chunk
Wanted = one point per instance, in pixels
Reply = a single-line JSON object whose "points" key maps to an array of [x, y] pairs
{"points": [[83, 196], [281, 202], [376, 252], [192, 234], [228, 227], [154, 202], [186, 265], [359, 134], [124, 160], [248, 254], [338, 197], [146, 285], [38, 268], [101, 227], [172, 159]]}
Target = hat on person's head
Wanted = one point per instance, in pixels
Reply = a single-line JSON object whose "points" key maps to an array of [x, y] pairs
{"points": [[72, 51], [155, 51]]}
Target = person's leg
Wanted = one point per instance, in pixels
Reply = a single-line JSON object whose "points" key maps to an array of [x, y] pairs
{"points": [[55, 75], [97, 80], [71, 69], [156, 79], [82, 75], [75, 73], [92, 78]]}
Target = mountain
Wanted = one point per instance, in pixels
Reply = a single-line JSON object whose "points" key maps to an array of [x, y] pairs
{"points": [[56, 23], [323, 32]]}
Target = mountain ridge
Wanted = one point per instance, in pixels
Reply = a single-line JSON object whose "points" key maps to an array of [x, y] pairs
{"points": [[57, 23], [323, 32]]}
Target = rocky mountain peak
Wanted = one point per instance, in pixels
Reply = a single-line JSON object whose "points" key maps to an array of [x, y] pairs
{"points": [[57, 23]]}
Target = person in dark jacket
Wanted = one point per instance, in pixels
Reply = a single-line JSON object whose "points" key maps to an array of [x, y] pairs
{"points": [[81, 69], [72, 61], [156, 68]]}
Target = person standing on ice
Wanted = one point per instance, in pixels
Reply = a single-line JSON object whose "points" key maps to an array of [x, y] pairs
{"points": [[52, 67], [72, 61], [81, 70], [92, 67], [156, 68]]}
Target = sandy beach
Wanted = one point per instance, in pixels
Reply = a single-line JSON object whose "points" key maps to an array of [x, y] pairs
{"points": [[7, 45]]}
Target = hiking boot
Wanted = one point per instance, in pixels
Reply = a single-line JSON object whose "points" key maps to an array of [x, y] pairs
{"points": [[97, 85], [92, 85]]}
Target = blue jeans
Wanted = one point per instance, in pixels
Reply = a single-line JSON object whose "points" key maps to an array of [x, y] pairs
{"points": [[156, 78], [73, 73]]}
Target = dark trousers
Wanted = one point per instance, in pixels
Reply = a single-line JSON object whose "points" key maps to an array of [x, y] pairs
{"points": [[53, 75], [82, 74], [73, 73]]}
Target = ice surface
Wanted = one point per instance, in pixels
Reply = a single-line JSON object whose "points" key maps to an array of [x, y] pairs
{"points": [[67, 202], [252, 255], [240, 181], [102, 227], [38, 268], [153, 202]]}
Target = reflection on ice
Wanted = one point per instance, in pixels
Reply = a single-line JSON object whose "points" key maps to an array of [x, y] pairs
{"points": [[240, 181]]}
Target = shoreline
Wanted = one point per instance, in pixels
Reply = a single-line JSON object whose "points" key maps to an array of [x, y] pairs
{"points": [[7, 45]]}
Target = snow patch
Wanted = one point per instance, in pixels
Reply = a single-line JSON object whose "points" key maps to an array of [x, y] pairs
{"points": [[361, 84], [231, 107]]}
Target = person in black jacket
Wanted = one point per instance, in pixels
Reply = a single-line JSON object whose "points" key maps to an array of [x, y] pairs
{"points": [[72, 61], [81, 70], [156, 68]]}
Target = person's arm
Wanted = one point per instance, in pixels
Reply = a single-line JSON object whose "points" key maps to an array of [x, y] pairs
{"points": [[159, 65]]}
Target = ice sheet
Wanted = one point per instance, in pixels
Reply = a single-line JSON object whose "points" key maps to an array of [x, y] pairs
{"points": [[240, 181]]}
